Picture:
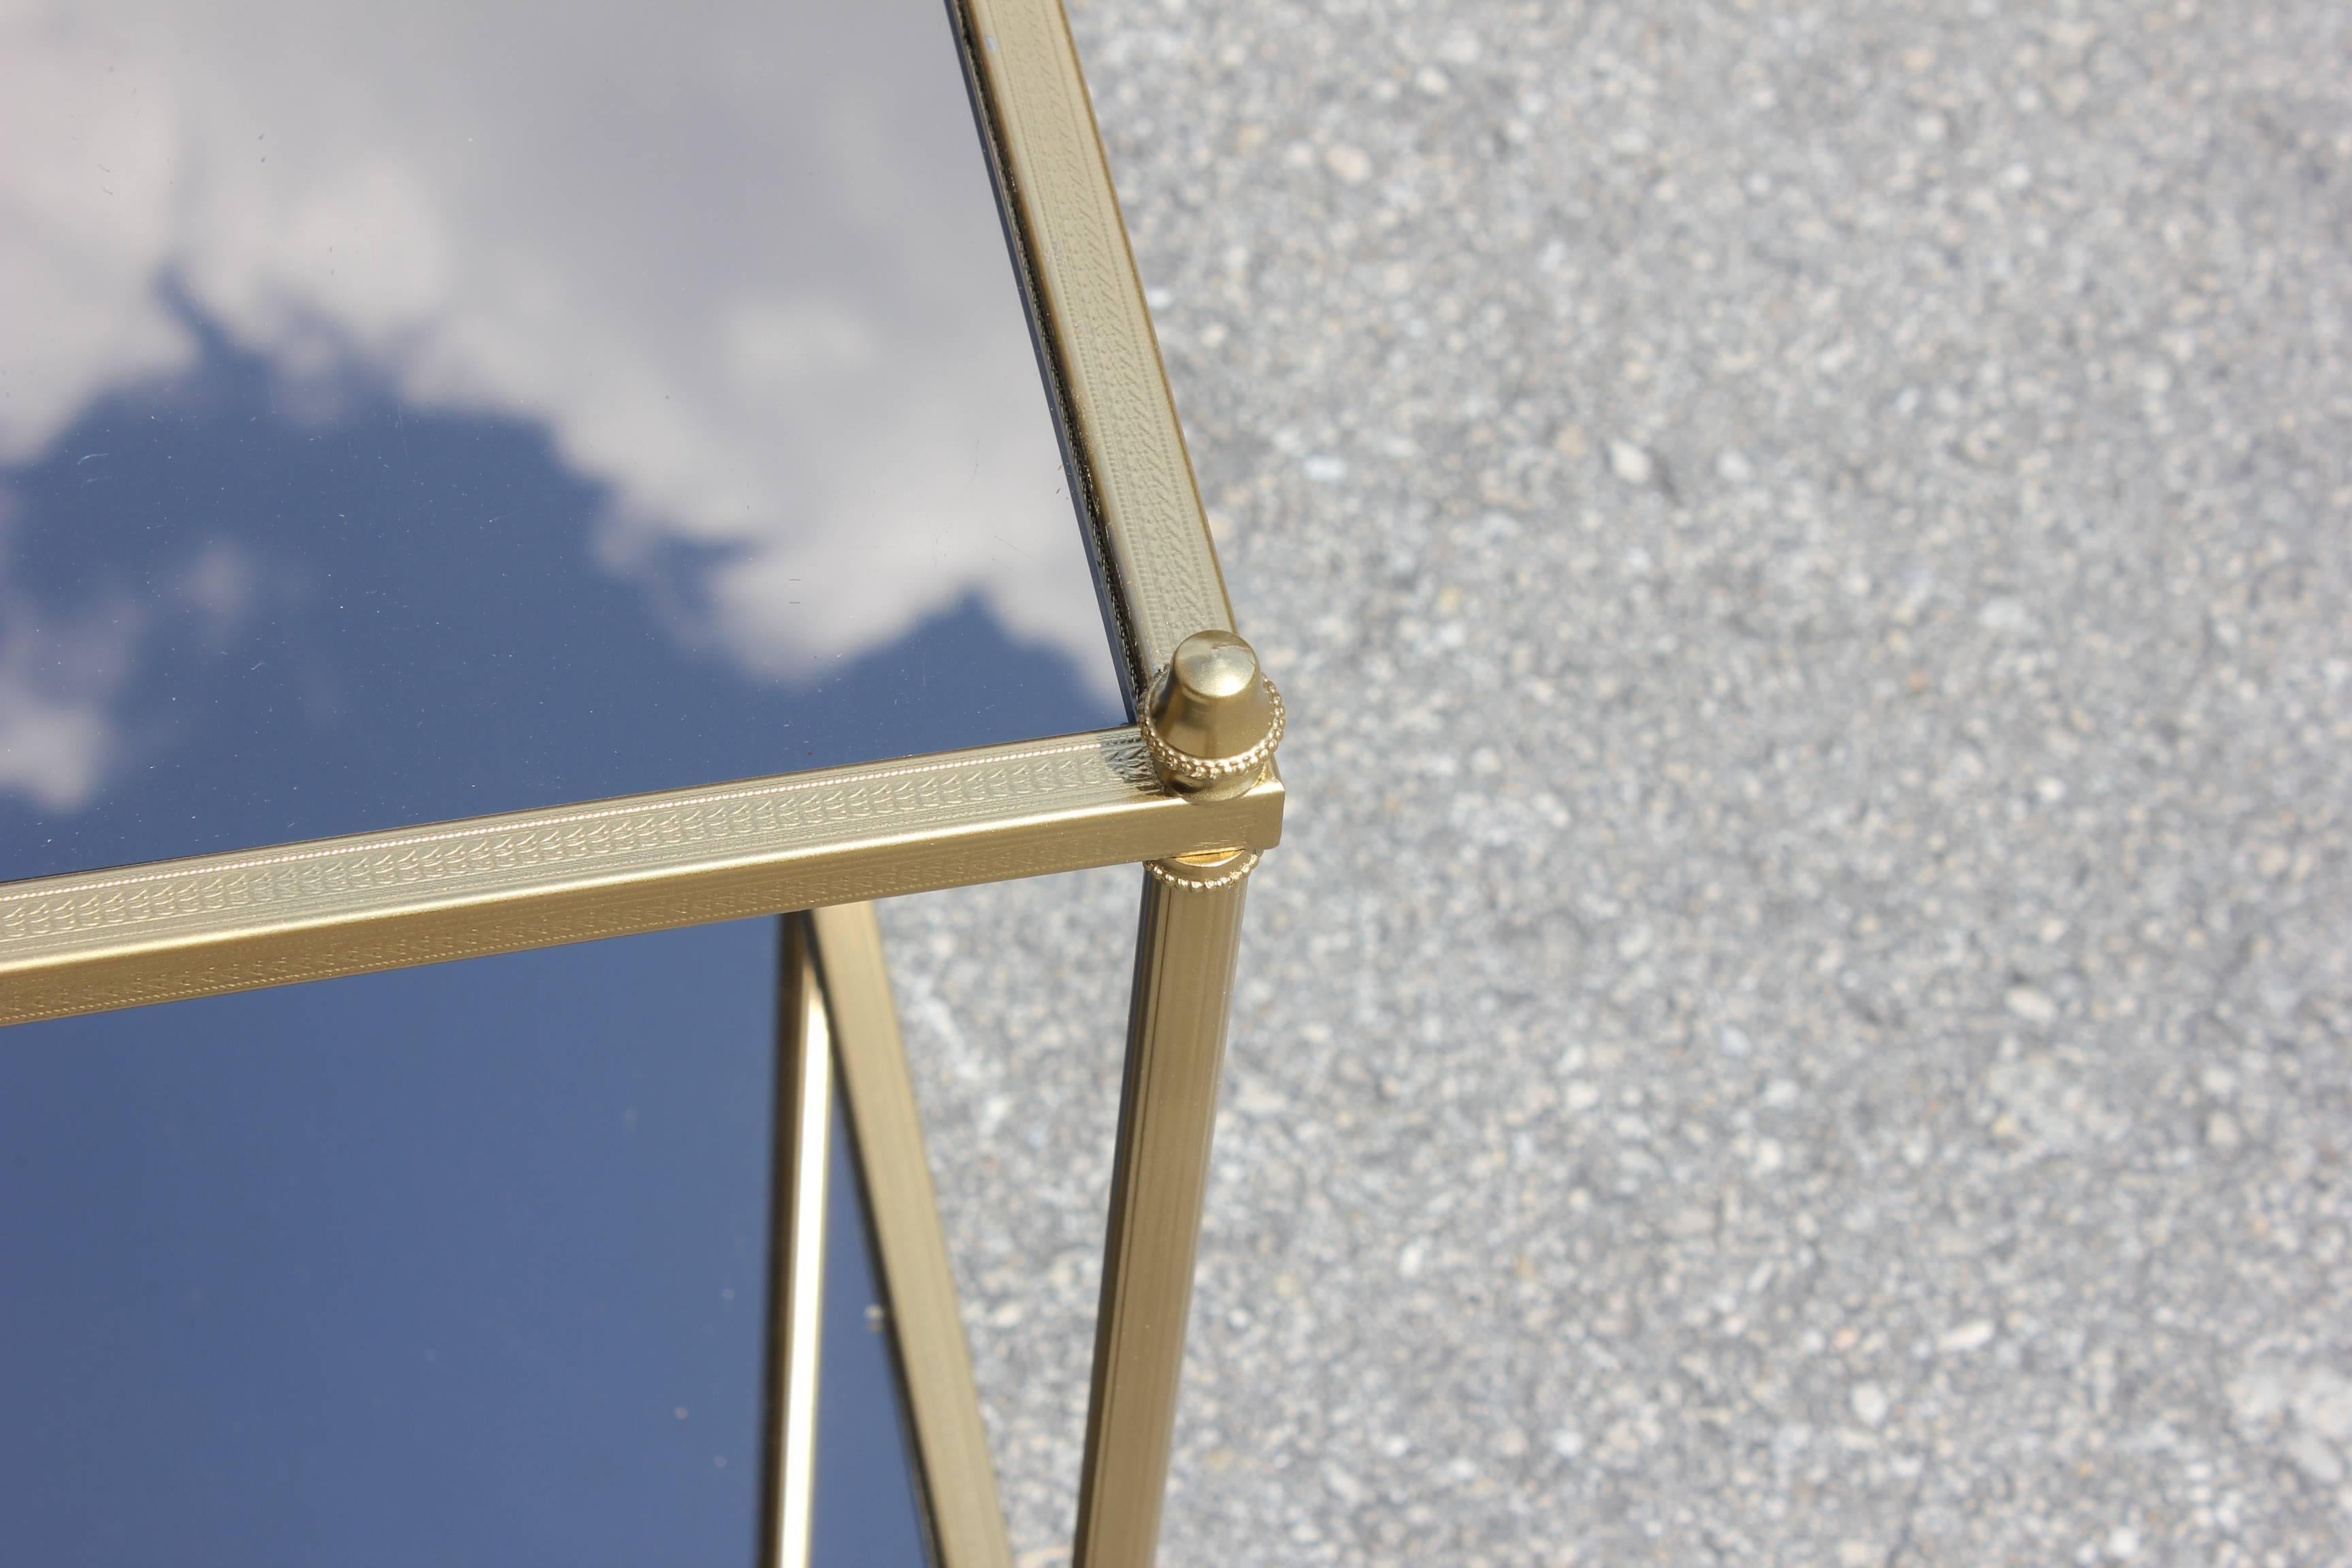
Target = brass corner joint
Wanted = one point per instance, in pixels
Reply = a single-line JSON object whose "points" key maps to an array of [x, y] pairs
{"points": [[1212, 719], [1211, 722]]}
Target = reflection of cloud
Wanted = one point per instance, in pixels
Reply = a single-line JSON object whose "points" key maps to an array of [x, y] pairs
{"points": [[740, 260], [52, 752], [85, 220], [57, 685], [220, 586], [773, 346]]}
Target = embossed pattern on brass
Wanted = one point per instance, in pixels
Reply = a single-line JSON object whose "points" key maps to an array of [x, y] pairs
{"points": [[229, 922], [1106, 359]]}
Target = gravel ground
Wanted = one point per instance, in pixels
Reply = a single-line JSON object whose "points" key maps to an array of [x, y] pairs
{"points": [[1804, 1016]]}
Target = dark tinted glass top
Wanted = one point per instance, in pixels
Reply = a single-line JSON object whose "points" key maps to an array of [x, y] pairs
{"points": [[412, 411], [462, 1264]]}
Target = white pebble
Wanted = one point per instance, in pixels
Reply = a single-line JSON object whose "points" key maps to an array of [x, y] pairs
{"points": [[2032, 1003], [1972, 1335], [1349, 162], [1632, 464]]}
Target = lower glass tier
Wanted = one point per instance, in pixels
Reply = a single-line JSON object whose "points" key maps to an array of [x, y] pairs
{"points": [[456, 1264]]}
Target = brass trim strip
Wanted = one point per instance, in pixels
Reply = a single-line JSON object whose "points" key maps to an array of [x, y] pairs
{"points": [[802, 1138], [1072, 247], [942, 1402], [92, 941]]}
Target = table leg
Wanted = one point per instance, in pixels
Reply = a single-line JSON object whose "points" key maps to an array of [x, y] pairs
{"points": [[1185, 952], [967, 1526], [803, 1127]]}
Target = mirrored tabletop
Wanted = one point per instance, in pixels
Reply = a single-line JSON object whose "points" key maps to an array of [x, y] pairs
{"points": [[415, 412]]}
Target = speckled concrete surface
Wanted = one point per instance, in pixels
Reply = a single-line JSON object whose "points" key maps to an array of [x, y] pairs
{"points": [[1803, 1016]]}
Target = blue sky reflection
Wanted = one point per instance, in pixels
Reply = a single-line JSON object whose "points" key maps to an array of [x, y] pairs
{"points": [[276, 628], [449, 1265], [413, 412]]}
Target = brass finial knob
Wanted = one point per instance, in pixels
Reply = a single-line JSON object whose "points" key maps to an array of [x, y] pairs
{"points": [[1212, 718]]}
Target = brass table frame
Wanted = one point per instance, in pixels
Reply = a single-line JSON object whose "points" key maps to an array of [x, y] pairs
{"points": [[827, 841]]}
